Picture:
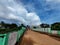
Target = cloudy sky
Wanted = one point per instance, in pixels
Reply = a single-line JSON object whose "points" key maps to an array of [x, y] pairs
{"points": [[30, 12]]}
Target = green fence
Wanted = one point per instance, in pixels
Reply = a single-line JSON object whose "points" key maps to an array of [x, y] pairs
{"points": [[2, 39], [47, 30], [10, 38], [20, 33]]}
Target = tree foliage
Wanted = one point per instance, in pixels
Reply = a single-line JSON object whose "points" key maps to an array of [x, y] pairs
{"points": [[45, 25], [55, 26], [6, 25]]}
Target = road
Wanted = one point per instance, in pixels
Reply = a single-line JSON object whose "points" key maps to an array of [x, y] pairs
{"points": [[35, 38]]}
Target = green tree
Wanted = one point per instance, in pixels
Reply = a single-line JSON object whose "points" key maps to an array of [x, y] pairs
{"points": [[13, 25], [45, 25], [2, 23], [55, 26]]}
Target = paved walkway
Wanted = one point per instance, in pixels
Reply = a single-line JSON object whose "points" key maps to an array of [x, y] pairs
{"points": [[35, 38]]}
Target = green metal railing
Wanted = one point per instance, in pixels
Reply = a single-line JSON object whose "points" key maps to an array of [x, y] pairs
{"points": [[10, 38], [20, 33]]}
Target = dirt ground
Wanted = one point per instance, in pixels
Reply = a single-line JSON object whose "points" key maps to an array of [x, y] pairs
{"points": [[35, 38]]}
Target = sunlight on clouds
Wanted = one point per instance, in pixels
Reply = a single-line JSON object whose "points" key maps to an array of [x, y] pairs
{"points": [[33, 19], [9, 9], [33, 15], [12, 16]]}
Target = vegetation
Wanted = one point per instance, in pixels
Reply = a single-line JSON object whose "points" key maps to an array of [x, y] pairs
{"points": [[22, 25], [45, 25], [34, 27], [8, 26], [55, 26], [5, 27]]}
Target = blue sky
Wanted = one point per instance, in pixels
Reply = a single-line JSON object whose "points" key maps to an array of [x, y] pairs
{"points": [[30, 12], [47, 10]]}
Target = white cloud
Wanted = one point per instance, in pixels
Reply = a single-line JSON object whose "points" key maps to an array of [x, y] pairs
{"points": [[52, 5], [53, 0], [33, 19], [9, 9], [12, 16]]}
